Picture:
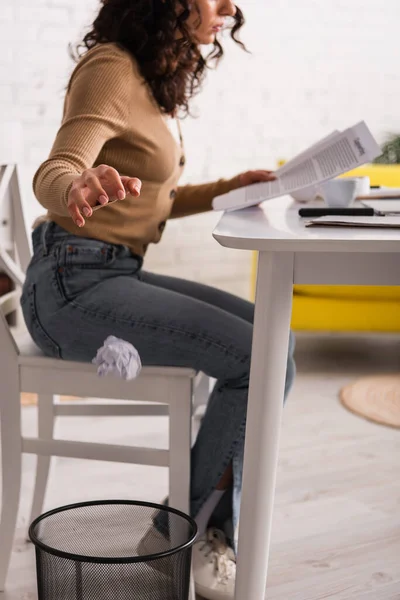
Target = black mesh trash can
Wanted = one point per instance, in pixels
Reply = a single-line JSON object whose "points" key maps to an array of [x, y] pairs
{"points": [[111, 550]]}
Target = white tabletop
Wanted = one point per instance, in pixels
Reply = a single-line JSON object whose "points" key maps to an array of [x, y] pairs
{"points": [[276, 226]]}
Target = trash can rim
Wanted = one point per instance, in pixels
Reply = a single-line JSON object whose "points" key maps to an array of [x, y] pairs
{"points": [[112, 560]]}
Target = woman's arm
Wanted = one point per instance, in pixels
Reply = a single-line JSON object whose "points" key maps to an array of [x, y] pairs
{"points": [[96, 111], [195, 199]]}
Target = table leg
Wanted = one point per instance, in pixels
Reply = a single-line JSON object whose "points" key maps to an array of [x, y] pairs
{"points": [[264, 414]]}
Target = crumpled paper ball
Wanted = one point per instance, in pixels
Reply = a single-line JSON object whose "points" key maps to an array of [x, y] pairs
{"points": [[118, 357]]}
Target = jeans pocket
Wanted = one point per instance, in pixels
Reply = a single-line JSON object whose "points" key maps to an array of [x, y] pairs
{"points": [[34, 324], [83, 264], [87, 254]]}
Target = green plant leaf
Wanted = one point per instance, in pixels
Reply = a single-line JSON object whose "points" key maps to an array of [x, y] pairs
{"points": [[390, 152]]}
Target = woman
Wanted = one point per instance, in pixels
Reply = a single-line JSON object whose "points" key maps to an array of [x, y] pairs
{"points": [[109, 186]]}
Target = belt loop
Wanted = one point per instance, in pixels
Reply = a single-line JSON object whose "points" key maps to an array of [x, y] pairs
{"points": [[43, 237]]}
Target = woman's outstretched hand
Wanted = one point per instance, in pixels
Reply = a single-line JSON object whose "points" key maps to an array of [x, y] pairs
{"points": [[98, 186], [255, 177]]}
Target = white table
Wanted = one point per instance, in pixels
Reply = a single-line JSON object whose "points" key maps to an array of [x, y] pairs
{"points": [[289, 253]]}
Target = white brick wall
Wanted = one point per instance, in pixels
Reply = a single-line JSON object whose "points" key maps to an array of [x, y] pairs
{"points": [[315, 66]]}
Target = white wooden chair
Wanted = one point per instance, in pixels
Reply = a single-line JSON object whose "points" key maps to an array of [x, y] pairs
{"points": [[23, 368]]}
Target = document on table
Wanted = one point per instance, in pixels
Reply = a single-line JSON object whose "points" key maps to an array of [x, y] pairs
{"points": [[347, 221], [390, 207], [333, 155], [297, 159], [382, 193]]}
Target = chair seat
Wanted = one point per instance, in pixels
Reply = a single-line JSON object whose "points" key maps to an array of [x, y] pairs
{"points": [[31, 355], [26, 345]]}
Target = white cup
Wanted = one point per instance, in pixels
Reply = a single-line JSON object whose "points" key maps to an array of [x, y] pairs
{"points": [[306, 194], [340, 193], [363, 185]]}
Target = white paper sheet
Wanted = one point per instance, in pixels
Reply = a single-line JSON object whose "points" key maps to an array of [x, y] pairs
{"points": [[297, 159], [332, 156], [382, 193], [383, 206]]}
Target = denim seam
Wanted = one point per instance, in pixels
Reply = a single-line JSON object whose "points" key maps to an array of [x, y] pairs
{"points": [[37, 324]]}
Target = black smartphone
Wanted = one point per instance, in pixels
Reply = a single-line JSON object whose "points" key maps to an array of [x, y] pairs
{"points": [[364, 211]]}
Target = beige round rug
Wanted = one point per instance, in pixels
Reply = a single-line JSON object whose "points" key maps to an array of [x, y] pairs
{"points": [[376, 398]]}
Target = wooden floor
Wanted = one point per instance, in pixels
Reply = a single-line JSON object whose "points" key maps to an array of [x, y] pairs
{"points": [[337, 520]]}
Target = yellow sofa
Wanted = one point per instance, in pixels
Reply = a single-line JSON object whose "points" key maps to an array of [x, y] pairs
{"points": [[348, 308]]}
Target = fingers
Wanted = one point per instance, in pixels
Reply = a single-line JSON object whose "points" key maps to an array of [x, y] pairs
{"points": [[93, 183], [132, 185], [78, 206], [76, 215], [265, 175], [113, 178], [98, 186]]}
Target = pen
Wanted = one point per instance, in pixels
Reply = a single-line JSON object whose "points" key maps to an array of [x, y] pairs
{"points": [[342, 212]]}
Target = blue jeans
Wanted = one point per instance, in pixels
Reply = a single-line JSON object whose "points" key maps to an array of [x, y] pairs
{"points": [[79, 291]]}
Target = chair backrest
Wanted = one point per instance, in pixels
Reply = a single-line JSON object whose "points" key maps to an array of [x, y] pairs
{"points": [[15, 248], [16, 230], [8, 304]]}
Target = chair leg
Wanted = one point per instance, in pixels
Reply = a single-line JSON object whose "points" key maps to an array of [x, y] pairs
{"points": [[201, 391], [45, 432], [11, 459], [192, 590], [180, 443]]}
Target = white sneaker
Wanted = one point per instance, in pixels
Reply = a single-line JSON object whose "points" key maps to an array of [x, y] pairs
{"points": [[214, 567]]}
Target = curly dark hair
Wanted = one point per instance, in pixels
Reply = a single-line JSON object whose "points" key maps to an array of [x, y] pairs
{"points": [[173, 68]]}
